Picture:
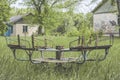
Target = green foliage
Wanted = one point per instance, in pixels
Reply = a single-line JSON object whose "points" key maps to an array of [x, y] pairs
{"points": [[47, 13], [50, 16], [4, 15], [3, 27], [80, 25], [73, 32]]}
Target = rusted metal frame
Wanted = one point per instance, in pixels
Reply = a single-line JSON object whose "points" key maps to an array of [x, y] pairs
{"points": [[26, 41], [83, 56], [59, 54], [33, 46], [89, 48], [7, 39], [97, 40], [87, 53], [111, 39], [80, 43], [86, 49], [83, 51], [15, 57], [100, 59], [45, 42], [30, 52], [90, 41], [20, 48], [18, 40], [42, 56], [70, 43]]}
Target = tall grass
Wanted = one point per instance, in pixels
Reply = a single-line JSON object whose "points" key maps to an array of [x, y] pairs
{"points": [[108, 69]]}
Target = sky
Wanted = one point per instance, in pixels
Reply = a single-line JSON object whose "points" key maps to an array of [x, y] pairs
{"points": [[83, 7]]}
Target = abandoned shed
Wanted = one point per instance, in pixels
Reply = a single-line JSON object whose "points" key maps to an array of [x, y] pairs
{"points": [[18, 25], [105, 17]]}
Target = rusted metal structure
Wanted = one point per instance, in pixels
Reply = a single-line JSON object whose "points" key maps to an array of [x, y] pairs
{"points": [[81, 47]]}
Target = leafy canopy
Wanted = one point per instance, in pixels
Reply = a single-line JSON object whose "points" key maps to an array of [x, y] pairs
{"points": [[4, 14]]}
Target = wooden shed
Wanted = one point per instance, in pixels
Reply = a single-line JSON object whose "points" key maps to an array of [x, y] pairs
{"points": [[105, 17], [19, 25]]}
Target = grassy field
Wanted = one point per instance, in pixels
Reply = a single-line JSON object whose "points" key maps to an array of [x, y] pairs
{"points": [[108, 69]]}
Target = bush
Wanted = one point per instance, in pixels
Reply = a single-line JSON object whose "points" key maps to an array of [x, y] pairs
{"points": [[73, 32]]}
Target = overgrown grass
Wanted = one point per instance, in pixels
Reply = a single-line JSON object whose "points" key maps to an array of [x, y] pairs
{"points": [[108, 69]]}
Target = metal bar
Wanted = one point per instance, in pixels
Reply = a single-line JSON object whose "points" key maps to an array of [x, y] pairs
{"points": [[96, 41], [72, 42], [18, 40], [79, 40], [45, 42], [15, 57], [33, 41], [83, 41], [84, 57], [59, 53]]}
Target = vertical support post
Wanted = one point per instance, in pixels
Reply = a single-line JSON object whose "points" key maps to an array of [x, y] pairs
{"points": [[111, 39], [33, 41], [82, 42], [79, 40], [90, 40], [96, 42], [58, 53], [18, 40], [119, 31], [45, 43]]}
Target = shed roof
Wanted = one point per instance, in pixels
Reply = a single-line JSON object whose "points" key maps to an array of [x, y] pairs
{"points": [[105, 6], [15, 19]]}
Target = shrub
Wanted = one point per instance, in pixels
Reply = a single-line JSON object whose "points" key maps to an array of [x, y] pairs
{"points": [[73, 32]]}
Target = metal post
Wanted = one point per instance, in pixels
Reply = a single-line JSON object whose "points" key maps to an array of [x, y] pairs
{"points": [[90, 40], [18, 40], [45, 42], [82, 42], [58, 53], [119, 32], [96, 42], [79, 40], [33, 41]]}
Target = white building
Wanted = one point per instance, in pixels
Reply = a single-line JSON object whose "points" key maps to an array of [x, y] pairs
{"points": [[105, 17], [18, 25]]}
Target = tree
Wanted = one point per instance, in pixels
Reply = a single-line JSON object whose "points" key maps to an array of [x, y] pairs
{"points": [[47, 12], [4, 14]]}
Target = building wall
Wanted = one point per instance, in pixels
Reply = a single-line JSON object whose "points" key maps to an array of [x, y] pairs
{"points": [[14, 30], [105, 22], [18, 29]]}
